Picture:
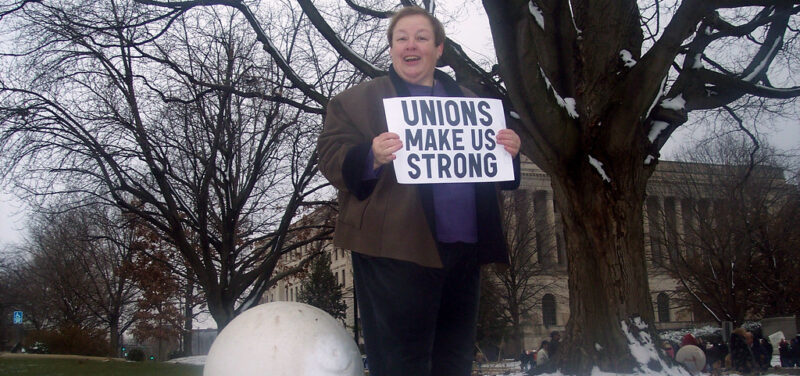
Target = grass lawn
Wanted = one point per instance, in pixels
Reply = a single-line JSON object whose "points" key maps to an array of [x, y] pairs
{"points": [[37, 366]]}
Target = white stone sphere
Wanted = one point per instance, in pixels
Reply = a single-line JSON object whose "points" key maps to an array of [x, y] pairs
{"points": [[692, 357], [284, 339]]}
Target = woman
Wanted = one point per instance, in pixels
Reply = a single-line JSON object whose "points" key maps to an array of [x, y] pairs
{"points": [[416, 249], [543, 355]]}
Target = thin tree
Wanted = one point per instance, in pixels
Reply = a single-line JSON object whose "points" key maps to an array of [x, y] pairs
{"points": [[532, 269], [175, 118], [83, 260], [321, 289], [732, 255]]}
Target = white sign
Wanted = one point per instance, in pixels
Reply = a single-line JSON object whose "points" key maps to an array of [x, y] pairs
{"points": [[448, 140], [17, 317]]}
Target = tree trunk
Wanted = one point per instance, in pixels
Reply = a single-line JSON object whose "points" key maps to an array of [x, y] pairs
{"points": [[607, 269], [188, 316], [221, 311], [114, 350]]}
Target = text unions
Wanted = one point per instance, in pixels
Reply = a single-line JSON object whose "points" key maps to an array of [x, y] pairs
{"points": [[446, 112]]}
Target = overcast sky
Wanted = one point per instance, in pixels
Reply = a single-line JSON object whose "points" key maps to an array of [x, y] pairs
{"points": [[469, 28]]}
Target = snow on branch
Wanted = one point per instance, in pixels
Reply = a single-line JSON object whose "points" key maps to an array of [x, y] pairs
{"points": [[572, 16], [677, 103], [764, 63], [657, 98], [698, 61], [627, 58], [656, 129], [566, 103], [536, 13], [599, 167]]}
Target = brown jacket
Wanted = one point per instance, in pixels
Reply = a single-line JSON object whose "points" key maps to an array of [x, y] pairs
{"points": [[380, 217]]}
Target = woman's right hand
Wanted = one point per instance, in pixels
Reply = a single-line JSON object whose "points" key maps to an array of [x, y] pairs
{"points": [[383, 148]]}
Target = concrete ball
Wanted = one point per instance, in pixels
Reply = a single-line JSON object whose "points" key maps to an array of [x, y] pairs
{"points": [[692, 357], [284, 339]]}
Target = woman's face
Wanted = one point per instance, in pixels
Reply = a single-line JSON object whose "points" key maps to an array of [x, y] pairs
{"points": [[414, 51]]}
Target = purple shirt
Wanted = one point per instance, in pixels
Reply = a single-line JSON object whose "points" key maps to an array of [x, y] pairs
{"points": [[453, 203]]}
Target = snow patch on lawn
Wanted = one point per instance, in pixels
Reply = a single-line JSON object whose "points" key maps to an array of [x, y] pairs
{"points": [[197, 360]]}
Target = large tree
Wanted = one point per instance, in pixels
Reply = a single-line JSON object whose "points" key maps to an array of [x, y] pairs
{"points": [[177, 118]]}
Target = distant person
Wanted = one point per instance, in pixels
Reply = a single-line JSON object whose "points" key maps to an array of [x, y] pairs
{"points": [[742, 359], [762, 350], [783, 353], [794, 351], [555, 342], [542, 359], [668, 349], [526, 360], [689, 339]]}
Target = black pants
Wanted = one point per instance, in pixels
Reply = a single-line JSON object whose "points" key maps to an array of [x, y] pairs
{"points": [[419, 321]]}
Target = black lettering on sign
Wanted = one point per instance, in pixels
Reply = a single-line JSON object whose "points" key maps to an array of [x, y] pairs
{"points": [[430, 139], [477, 138], [413, 138], [483, 108], [406, 117], [412, 164], [490, 139], [451, 112], [444, 142], [468, 113], [460, 165], [428, 113], [490, 165], [458, 139], [428, 157], [444, 165]]}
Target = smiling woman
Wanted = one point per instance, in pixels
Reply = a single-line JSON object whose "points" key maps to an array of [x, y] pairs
{"points": [[415, 45], [417, 249]]}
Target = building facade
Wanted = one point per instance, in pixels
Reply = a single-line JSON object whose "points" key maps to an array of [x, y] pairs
{"points": [[666, 218]]}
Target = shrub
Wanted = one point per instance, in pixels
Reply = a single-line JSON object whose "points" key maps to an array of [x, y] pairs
{"points": [[70, 340], [135, 355], [176, 354]]}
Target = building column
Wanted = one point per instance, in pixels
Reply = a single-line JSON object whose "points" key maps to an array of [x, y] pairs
{"points": [[545, 226], [550, 218]]}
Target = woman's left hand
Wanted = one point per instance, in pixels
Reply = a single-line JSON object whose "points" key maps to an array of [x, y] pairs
{"points": [[510, 141]]}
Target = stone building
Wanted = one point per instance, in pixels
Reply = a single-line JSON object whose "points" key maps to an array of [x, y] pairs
{"points": [[665, 220]]}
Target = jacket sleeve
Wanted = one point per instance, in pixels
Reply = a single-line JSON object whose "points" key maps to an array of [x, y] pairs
{"points": [[343, 150], [513, 184]]}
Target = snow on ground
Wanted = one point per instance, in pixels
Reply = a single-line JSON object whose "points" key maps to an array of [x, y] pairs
{"points": [[641, 345], [495, 369], [675, 336], [197, 360]]}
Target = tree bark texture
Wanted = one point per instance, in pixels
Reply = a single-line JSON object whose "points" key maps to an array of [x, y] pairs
{"points": [[594, 152]]}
